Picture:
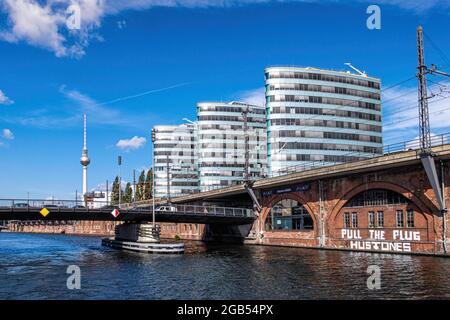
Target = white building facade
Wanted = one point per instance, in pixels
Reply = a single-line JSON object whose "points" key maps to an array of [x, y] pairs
{"points": [[175, 156], [320, 115], [221, 143]]}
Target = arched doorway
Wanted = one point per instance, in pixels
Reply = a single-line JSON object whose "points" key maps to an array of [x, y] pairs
{"points": [[288, 215]]}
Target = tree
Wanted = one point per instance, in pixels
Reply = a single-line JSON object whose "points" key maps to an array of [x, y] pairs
{"points": [[148, 191], [115, 191], [128, 195], [140, 187]]}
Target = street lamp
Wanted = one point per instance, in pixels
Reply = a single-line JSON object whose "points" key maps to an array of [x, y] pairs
{"points": [[119, 162]]}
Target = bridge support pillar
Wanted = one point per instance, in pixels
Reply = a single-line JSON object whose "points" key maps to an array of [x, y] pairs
{"points": [[138, 232], [141, 237]]}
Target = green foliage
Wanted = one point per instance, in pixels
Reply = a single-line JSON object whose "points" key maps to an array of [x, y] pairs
{"points": [[140, 187], [148, 190], [128, 195], [115, 191]]}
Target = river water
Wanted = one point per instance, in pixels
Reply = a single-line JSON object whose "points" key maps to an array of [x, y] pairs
{"points": [[33, 266]]}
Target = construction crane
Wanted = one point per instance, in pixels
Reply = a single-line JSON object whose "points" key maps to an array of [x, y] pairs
{"points": [[361, 73]]}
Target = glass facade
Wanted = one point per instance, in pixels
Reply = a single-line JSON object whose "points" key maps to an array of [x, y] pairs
{"points": [[221, 143], [175, 153], [289, 215], [321, 115]]}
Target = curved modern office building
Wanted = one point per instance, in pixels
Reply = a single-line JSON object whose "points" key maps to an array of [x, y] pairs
{"points": [[175, 154], [320, 115], [221, 143]]}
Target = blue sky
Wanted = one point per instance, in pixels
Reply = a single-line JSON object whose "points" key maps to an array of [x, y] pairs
{"points": [[133, 65]]}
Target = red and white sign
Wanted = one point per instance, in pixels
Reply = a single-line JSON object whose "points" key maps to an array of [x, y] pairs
{"points": [[115, 213]]}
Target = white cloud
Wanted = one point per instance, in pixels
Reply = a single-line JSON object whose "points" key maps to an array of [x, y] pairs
{"points": [[38, 25], [4, 99], [99, 113], [131, 144], [256, 97], [400, 111], [401, 108], [417, 6], [435, 140], [42, 23], [7, 134], [96, 111]]}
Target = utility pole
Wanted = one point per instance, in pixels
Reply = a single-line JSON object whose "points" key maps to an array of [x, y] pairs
{"points": [[424, 119], [153, 174], [426, 156], [119, 162], [134, 187], [107, 197], [247, 183], [168, 178], [246, 166]]}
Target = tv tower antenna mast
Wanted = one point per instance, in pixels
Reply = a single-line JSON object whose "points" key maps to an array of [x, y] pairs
{"points": [[84, 159]]}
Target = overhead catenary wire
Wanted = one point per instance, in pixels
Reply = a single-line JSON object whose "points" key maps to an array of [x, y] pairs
{"points": [[435, 112], [444, 57]]}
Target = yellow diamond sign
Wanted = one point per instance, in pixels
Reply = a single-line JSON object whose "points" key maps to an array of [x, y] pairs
{"points": [[44, 212]]}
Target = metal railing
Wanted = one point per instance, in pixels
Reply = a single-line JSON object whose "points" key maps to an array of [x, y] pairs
{"points": [[410, 145], [214, 211], [52, 204], [100, 206]]}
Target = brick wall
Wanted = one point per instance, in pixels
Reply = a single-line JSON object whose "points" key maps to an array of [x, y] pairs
{"points": [[411, 182]]}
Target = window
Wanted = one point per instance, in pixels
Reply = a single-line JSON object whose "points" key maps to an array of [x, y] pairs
{"points": [[400, 219], [354, 220], [380, 220], [346, 220], [289, 215], [371, 219], [410, 218], [376, 197]]}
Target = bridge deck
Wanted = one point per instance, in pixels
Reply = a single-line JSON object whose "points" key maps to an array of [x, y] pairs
{"points": [[181, 214]]}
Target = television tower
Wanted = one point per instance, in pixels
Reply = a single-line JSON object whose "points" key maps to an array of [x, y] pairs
{"points": [[85, 160]]}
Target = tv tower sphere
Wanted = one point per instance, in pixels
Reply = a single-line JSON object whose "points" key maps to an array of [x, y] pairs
{"points": [[84, 158]]}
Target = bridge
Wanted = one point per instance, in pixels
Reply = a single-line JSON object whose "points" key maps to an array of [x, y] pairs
{"points": [[382, 204], [68, 210]]}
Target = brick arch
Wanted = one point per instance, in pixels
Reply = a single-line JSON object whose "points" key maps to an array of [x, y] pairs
{"points": [[426, 207], [294, 196]]}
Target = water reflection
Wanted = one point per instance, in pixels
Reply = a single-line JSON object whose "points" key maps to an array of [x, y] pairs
{"points": [[34, 267]]}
